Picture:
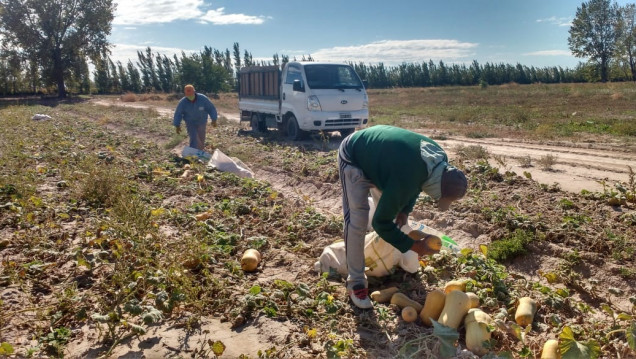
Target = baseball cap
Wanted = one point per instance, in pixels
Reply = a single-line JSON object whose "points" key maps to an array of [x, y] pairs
{"points": [[454, 185]]}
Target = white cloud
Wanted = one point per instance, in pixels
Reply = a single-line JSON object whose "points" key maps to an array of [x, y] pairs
{"points": [[219, 17], [125, 52], [394, 52], [559, 21], [140, 12], [548, 53]]}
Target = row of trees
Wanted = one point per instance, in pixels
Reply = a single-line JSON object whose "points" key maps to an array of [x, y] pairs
{"points": [[47, 45]]}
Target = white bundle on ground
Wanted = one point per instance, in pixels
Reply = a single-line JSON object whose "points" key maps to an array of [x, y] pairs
{"points": [[380, 258], [224, 163], [39, 117]]}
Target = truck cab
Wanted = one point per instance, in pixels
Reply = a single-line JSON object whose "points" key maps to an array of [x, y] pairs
{"points": [[303, 97]]}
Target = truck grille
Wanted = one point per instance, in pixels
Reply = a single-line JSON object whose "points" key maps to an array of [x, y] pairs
{"points": [[342, 122]]}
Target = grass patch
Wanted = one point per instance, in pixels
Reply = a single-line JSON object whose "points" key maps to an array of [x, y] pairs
{"points": [[511, 246]]}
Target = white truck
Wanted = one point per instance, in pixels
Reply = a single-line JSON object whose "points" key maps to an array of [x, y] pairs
{"points": [[303, 97]]}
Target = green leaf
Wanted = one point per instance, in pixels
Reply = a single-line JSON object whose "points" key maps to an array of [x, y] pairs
{"points": [[133, 307], [6, 348], [624, 316], [607, 309], [101, 318], [630, 333], [152, 315], [572, 349], [218, 348], [303, 290], [483, 249], [255, 290], [137, 329], [551, 277], [448, 339]]}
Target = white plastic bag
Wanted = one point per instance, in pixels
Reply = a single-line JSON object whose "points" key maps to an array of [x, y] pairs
{"points": [[191, 151], [222, 162]]}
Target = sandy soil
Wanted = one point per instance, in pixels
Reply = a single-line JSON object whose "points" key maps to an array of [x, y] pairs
{"points": [[578, 167]]}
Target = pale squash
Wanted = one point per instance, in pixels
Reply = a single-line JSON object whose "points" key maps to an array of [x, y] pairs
{"points": [[383, 295], [433, 306], [526, 310], [456, 306], [401, 300], [409, 314], [474, 299], [455, 285], [250, 260], [551, 350], [477, 332], [433, 242]]}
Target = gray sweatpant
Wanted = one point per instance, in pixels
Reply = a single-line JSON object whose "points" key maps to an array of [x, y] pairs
{"points": [[196, 132], [355, 208]]}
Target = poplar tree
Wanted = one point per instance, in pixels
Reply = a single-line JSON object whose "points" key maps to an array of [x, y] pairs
{"points": [[57, 33]]}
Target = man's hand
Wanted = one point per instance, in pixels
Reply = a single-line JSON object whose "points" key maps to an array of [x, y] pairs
{"points": [[401, 219], [214, 124], [421, 248], [177, 129]]}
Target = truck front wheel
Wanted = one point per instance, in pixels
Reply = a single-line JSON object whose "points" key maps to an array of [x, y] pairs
{"points": [[346, 132], [294, 132]]}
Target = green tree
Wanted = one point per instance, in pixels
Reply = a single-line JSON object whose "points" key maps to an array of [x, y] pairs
{"points": [[57, 33], [627, 37], [593, 33]]}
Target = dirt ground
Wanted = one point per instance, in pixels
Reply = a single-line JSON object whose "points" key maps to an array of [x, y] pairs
{"points": [[593, 165], [578, 250]]}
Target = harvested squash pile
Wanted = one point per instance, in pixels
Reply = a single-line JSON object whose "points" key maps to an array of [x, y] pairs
{"points": [[472, 318]]}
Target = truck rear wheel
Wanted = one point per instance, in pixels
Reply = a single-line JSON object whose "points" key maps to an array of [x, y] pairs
{"points": [[257, 123], [294, 132]]}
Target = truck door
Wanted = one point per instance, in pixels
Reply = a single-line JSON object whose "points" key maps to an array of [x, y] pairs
{"points": [[293, 101]]}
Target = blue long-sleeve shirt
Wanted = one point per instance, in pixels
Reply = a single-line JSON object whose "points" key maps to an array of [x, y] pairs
{"points": [[195, 112]]}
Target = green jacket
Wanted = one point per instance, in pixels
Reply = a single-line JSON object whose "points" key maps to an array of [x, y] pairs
{"points": [[401, 164]]}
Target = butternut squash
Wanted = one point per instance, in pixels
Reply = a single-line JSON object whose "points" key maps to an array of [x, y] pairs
{"points": [[455, 285], [433, 306], [525, 311], [409, 314], [551, 350], [383, 295], [474, 299], [432, 241], [456, 306], [250, 260], [401, 300], [477, 331]]}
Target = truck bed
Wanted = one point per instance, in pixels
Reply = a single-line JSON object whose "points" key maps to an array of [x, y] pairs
{"points": [[259, 82]]}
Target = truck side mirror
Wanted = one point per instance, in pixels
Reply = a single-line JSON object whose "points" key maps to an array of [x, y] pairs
{"points": [[298, 86], [365, 83]]}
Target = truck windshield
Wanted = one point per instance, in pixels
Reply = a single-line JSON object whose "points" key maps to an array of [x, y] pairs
{"points": [[332, 77]]}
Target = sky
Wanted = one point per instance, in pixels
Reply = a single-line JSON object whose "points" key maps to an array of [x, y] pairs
{"points": [[528, 32]]}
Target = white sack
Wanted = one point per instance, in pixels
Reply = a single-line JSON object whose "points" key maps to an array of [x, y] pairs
{"points": [[222, 162], [380, 258]]}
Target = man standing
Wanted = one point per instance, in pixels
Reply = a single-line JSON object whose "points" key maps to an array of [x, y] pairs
{"points": [[194, 109], [400, 164]]}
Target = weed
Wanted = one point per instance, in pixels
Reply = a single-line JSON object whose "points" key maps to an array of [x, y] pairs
{"points": [[525, 162], [511, 246], [547, 162]]}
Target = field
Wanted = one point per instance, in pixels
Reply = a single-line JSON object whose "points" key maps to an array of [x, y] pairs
{"points": [[113, 246]]}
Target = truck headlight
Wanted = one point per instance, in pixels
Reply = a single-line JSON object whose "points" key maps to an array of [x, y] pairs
{"points": [[365, 102], [313, 104]]}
